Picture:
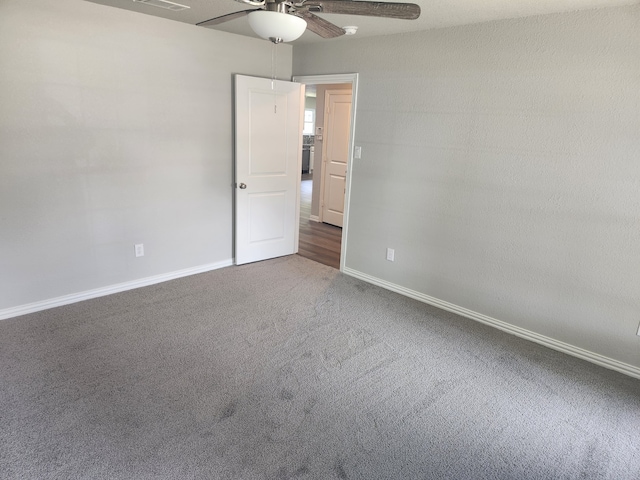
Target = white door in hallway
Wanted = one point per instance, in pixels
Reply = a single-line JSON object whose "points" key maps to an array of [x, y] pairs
{"points": [[268, 144], [335, 160]]}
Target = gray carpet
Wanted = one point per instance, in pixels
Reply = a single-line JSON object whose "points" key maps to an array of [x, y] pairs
{"points": [[288, 369]]}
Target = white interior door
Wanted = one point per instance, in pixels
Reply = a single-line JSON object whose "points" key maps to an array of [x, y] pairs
{"points": [[268, 145], [337, 130]]}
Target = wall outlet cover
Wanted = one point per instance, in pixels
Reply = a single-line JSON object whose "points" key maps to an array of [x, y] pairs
{"points": [[391, 254], [139, 249]]}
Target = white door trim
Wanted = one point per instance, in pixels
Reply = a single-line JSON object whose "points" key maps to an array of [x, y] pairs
{"points": [[351, 78]]}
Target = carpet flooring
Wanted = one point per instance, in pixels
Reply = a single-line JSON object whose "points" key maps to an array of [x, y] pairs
{"points": [[287, 369]]}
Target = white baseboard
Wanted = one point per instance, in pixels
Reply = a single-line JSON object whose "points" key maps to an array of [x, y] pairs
{"points": [[101, 292], [314, 218], [569, 349]]}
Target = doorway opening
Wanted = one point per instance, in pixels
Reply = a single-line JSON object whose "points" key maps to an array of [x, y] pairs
{"points": [[329, 126]]}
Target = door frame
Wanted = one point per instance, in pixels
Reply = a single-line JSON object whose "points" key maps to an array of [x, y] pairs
{"points": [[351, 78]]}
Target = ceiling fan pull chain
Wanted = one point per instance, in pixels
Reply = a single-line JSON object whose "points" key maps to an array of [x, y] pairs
{"points": [[274, 61]]}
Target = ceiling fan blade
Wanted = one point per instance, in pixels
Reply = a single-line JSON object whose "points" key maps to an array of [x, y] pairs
{"points": [[404, 11], [225, 18], [320, 26]]}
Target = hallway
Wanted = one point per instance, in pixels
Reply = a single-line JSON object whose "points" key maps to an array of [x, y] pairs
{"points": [[320, 242]]}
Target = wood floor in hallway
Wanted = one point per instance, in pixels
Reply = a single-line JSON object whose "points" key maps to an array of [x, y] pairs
{"points": [[320, 242]]}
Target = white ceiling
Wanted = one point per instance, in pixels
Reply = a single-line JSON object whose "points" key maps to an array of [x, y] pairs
{"points": [[435, 14]]}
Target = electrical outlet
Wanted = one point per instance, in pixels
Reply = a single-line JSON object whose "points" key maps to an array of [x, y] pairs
{"points": [[357, 153], [139, 249], [391, 254], [638, 330]]}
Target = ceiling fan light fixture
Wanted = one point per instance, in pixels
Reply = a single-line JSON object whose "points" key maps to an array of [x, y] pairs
{"points": [[275, 26]]}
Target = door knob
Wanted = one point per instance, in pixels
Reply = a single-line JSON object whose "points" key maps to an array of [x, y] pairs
{"points": [[242, 186]]}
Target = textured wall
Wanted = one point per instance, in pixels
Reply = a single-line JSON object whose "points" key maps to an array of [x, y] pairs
{"points": [[115, 129], [502, 162]]}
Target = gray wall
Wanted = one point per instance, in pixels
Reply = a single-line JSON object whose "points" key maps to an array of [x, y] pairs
{"points": [[115, 129], [502, 162]]}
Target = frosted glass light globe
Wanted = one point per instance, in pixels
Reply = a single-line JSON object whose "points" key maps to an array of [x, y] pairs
{"points": [[275, 26]]}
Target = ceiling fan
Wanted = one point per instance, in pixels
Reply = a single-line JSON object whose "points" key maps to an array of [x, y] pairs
{"points": [[286, 20]]}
